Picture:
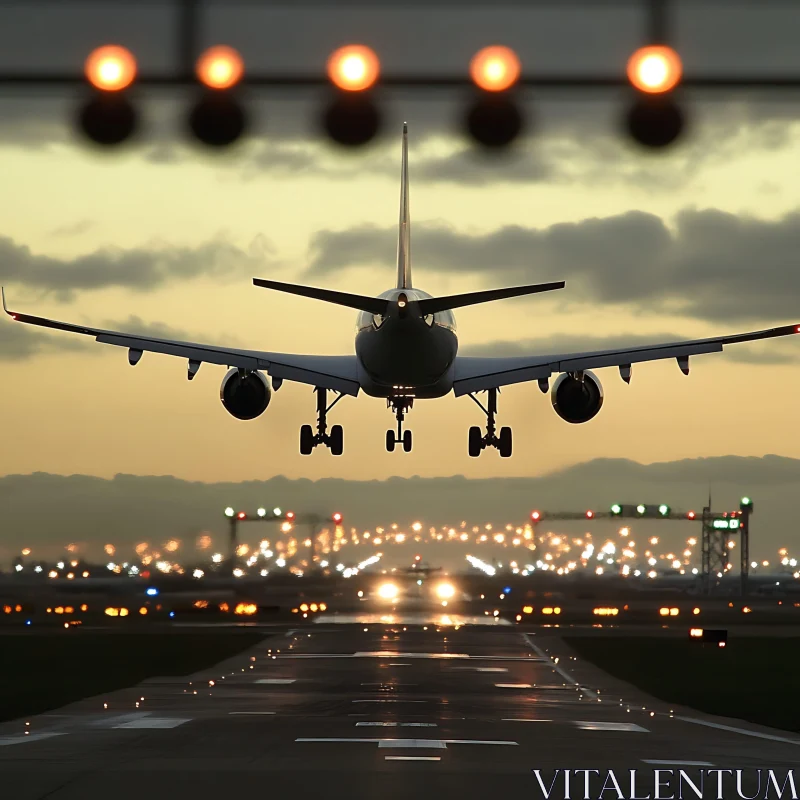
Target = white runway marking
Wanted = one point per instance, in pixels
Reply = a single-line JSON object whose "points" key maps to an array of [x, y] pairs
{"points": [[560, 670], [490, 669], [743, 731], [413, 758], [610, 726], [430, 744], [517, 719], [677, 763], [249, 713], [513, 685], [396, 654], [398, 664], [396, 724], [388, 683], [152, 722], [31, 737], [389, 701], [119, 719], [276, 681]]}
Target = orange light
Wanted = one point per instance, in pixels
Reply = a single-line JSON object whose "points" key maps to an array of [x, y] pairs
{"points": [[654, 69], [220, 67], [110, 68], [353, 68], [495, 68]]}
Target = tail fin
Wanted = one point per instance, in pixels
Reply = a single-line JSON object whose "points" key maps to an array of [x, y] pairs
{"points": [[404, 241]]}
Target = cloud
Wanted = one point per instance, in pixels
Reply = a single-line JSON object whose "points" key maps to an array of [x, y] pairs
{"points": [[774, 353], [73, 229], [140, 268], [707, 264]]}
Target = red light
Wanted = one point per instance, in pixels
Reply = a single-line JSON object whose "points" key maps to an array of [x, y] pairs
{"points": [[145, 573], [337, 517], [691, 515], [290, 515], [797, 329], [241, 515], [535, 515], [589, 514]]}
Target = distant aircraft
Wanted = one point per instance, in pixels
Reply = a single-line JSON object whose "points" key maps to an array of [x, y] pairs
{"points": [[405, 348]]}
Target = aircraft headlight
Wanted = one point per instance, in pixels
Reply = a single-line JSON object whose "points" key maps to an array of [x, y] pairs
{"points": [[388, 591], [444, 591]]}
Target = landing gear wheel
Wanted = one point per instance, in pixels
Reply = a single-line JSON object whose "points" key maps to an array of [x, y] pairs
{"points": [[475, 441], [306, 440], [407, 442], [390, 441], [504, 442], [337, 440]]}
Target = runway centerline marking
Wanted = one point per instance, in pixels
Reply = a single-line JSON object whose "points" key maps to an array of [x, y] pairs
{"points": [[742, 731], [413, 758], [389, 700], [658, 763], [518, 719], [513, 686], [430, 744], [398, 654], [31, 737], [396, 724], [434, 743], [610, 726], [250, 713], [276, 681], [152, 722]]}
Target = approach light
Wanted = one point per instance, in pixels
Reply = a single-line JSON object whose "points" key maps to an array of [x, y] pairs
{"points": [[655, 69], [353, 68], [110, 68], [219, 67], [495, 68]]}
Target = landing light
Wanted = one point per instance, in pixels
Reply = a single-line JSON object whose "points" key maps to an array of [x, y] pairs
{"points": [[495, 69], [220, 67], [110, 68], [388, 591], [654, 69], [353, 68], [445, 591]]}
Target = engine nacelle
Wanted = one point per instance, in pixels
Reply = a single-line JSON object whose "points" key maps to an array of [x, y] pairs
{"points": [[245, 396], [575, 400]]}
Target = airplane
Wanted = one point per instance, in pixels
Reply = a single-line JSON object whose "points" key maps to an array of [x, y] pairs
{"points": [[406, 348]]}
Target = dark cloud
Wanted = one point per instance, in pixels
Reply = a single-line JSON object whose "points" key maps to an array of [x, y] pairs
{"points": [[773, 353], [73, 229], [141, 268], [709, 264]]}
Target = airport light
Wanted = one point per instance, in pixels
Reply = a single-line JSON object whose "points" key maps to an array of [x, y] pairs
{"points": [[641, 509], [107, 117], [229, 512], [276, 511], [337, 518], [691, 515], [241, 515], [353, 68], [536, 516], [110, 68], [219, 67], [616, 509], [664, 510], [746, 504], [495, 68], [654, 69]]}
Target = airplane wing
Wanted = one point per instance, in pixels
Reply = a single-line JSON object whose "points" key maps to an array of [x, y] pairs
{"points": [[474, 374], [339, 373]]}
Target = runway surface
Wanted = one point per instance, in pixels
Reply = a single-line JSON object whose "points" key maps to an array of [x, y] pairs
{"points": [[373, 711]]}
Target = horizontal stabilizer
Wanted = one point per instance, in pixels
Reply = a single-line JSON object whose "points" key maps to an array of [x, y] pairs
{"points": [[375, 305], [434, 304]]}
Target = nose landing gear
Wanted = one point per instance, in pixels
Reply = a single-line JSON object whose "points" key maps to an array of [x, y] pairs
{"points": [[399, 405], [334, 440], [479, 441]]}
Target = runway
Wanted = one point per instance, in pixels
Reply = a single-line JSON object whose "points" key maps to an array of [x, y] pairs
{"points": [[373, 711]]}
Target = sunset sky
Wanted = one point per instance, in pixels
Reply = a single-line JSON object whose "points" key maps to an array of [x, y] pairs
{"points": [[163, 237]]}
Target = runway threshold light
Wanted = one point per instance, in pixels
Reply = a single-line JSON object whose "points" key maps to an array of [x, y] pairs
{"points": [[352, 118], [664, 510], [107, 117], [337, 518], [654, 119], [641, 509], [494, 119], [616, 509], [217, 119]]}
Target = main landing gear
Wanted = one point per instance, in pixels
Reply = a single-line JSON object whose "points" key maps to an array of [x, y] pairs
{"points": [[334, 440], [399, 405], [478, 442]]}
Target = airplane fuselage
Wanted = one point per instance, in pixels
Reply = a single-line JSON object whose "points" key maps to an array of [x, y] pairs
{"points": [[404, 353]]}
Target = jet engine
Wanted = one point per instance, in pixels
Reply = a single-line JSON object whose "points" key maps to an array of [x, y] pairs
{"points": [[245, 395], [575, 399]]}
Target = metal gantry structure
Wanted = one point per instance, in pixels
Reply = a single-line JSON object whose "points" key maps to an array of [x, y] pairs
{"points": [[717, 528], [313, 520], [354, 79]]}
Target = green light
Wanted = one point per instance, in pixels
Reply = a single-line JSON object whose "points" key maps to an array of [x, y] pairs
{"points": [[616, 508], [641, 509], [721, 524], [663, 510], [746, 501], [229, 512]]}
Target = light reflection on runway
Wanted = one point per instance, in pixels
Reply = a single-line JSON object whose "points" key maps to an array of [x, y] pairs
{"points": [[408, 618]]}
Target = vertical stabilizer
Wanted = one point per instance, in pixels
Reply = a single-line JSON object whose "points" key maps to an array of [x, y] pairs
{"points": [[404, 242]]}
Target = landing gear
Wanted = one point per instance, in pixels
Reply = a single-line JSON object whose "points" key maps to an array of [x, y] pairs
{"points": [[334, 440], [479, 441], [399, 405]]}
